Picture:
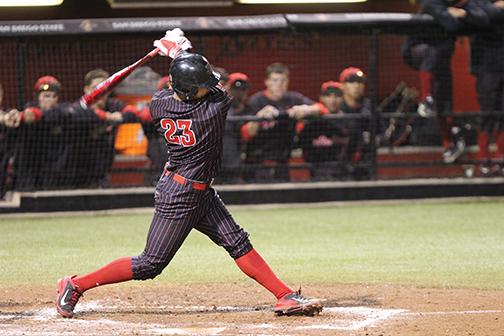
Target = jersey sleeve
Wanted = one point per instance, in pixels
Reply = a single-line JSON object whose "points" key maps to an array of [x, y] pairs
{"points": [[300, 99], [158, 104]]}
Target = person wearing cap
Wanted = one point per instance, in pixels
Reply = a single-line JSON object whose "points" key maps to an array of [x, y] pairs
{"points": [[238, 86], [323, 139], [271, 139], [42, 153], [331, 97], [487, 65], [357, 129]]}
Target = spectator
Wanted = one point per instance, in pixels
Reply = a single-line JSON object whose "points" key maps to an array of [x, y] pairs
{"points": [[487, 61], [357, 129], [431, 55], [237, 86], [271, 140], [94, 152], [324, 139], [5, 147], [42, 151]]}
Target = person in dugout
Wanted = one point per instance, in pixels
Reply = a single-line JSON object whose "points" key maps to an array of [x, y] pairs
{"points": [[323, 139], [270, 140], [358, 128], [42, 149], [96, 127], [487, 64], [6, 144], [237, 86], [431, 55]]}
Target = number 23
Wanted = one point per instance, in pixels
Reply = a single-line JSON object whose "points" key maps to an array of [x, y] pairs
{"points": [[186, 139]]}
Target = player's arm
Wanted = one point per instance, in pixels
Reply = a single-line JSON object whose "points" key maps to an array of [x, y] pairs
{"points": [[305, 107]]}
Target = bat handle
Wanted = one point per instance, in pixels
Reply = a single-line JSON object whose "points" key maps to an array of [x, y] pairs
{"points": [[113, 80]]}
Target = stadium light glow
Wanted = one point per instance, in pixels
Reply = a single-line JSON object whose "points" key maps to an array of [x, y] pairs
{"points": [[280, 2], [29, 3]]}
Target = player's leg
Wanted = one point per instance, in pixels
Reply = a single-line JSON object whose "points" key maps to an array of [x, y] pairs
{"points": [[484, 84], [169, 227], [500, 128], [221, 228]]}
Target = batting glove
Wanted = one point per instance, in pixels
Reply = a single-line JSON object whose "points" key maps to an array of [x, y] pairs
{"points": [[173, 44]]}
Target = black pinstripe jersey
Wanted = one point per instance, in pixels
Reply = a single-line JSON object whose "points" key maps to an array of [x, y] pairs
{"points": [[193, 132]]}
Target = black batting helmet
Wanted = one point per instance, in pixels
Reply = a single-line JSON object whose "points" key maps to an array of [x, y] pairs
{"points": [[189, 72]]}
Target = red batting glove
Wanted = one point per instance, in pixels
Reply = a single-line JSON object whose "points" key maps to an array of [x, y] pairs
{"points": [[173, 44]]}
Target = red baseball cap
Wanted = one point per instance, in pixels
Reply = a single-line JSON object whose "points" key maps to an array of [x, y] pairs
{"points": [[352, 74], [330, 87], [238, 80], [47, 83], [163, 83]]}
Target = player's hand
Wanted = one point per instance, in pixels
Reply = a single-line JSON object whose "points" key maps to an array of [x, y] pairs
{"points": [[298, 111], [253, 128], [457, 13], [114, 116], [499, 4], [12, 119], [268, 112], [173, 43], [302, 111]]}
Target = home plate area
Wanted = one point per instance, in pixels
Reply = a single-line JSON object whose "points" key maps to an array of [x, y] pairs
{"points": [[98, 317]]}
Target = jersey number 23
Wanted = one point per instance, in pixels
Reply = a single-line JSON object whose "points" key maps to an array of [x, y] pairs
{"points": [[179, 132]]}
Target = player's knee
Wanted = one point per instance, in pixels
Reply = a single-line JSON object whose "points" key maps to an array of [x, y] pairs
{"points": [[146, 269], [239, 248]]}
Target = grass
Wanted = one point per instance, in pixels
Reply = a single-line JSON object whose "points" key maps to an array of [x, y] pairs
{"points": [[431, 245]]}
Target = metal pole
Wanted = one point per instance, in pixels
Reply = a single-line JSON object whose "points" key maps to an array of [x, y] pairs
{"points": [[373, 93]]}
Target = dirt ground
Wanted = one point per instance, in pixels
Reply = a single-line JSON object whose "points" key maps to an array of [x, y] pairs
{"points": [[246, 309]]}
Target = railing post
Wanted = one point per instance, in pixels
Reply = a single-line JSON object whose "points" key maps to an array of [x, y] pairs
{"points": [[373, 94]]}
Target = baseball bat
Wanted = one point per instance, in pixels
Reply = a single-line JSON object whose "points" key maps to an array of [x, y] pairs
{"points": [[108, 84]]}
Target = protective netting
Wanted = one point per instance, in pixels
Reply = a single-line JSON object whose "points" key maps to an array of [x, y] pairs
{"points": [[367, 125]]}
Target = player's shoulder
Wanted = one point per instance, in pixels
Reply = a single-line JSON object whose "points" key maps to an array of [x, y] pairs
{"points": [[218, 94], [294, 94]]}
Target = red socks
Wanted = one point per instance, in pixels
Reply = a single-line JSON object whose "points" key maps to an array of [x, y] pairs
{"points": [[425, 84], [255, 267], [500, 145], [118, 270], [445, 125], [483, 142]]}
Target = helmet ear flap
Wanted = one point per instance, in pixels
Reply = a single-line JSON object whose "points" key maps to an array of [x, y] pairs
{"points": [[187, 95]]}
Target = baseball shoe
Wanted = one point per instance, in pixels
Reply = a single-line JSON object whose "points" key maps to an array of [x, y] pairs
{"points": [[296, 304], [426, 108], [68, 296], [454, 151]]}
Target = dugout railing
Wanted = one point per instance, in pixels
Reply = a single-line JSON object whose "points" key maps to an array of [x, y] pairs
{"points": [[315, 47]]}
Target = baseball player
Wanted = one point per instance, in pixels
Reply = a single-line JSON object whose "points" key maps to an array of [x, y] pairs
{"points": [[191, 117], [431, 55], [487, 64]]}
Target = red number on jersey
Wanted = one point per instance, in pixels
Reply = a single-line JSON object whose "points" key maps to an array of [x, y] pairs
{"points": [[186, 139]]}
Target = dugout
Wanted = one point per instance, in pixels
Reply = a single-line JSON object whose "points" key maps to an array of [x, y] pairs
{"points": [[316, 47]]}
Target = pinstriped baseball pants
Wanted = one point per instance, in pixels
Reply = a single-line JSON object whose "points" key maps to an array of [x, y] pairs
{"points": [[178, 209]]}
